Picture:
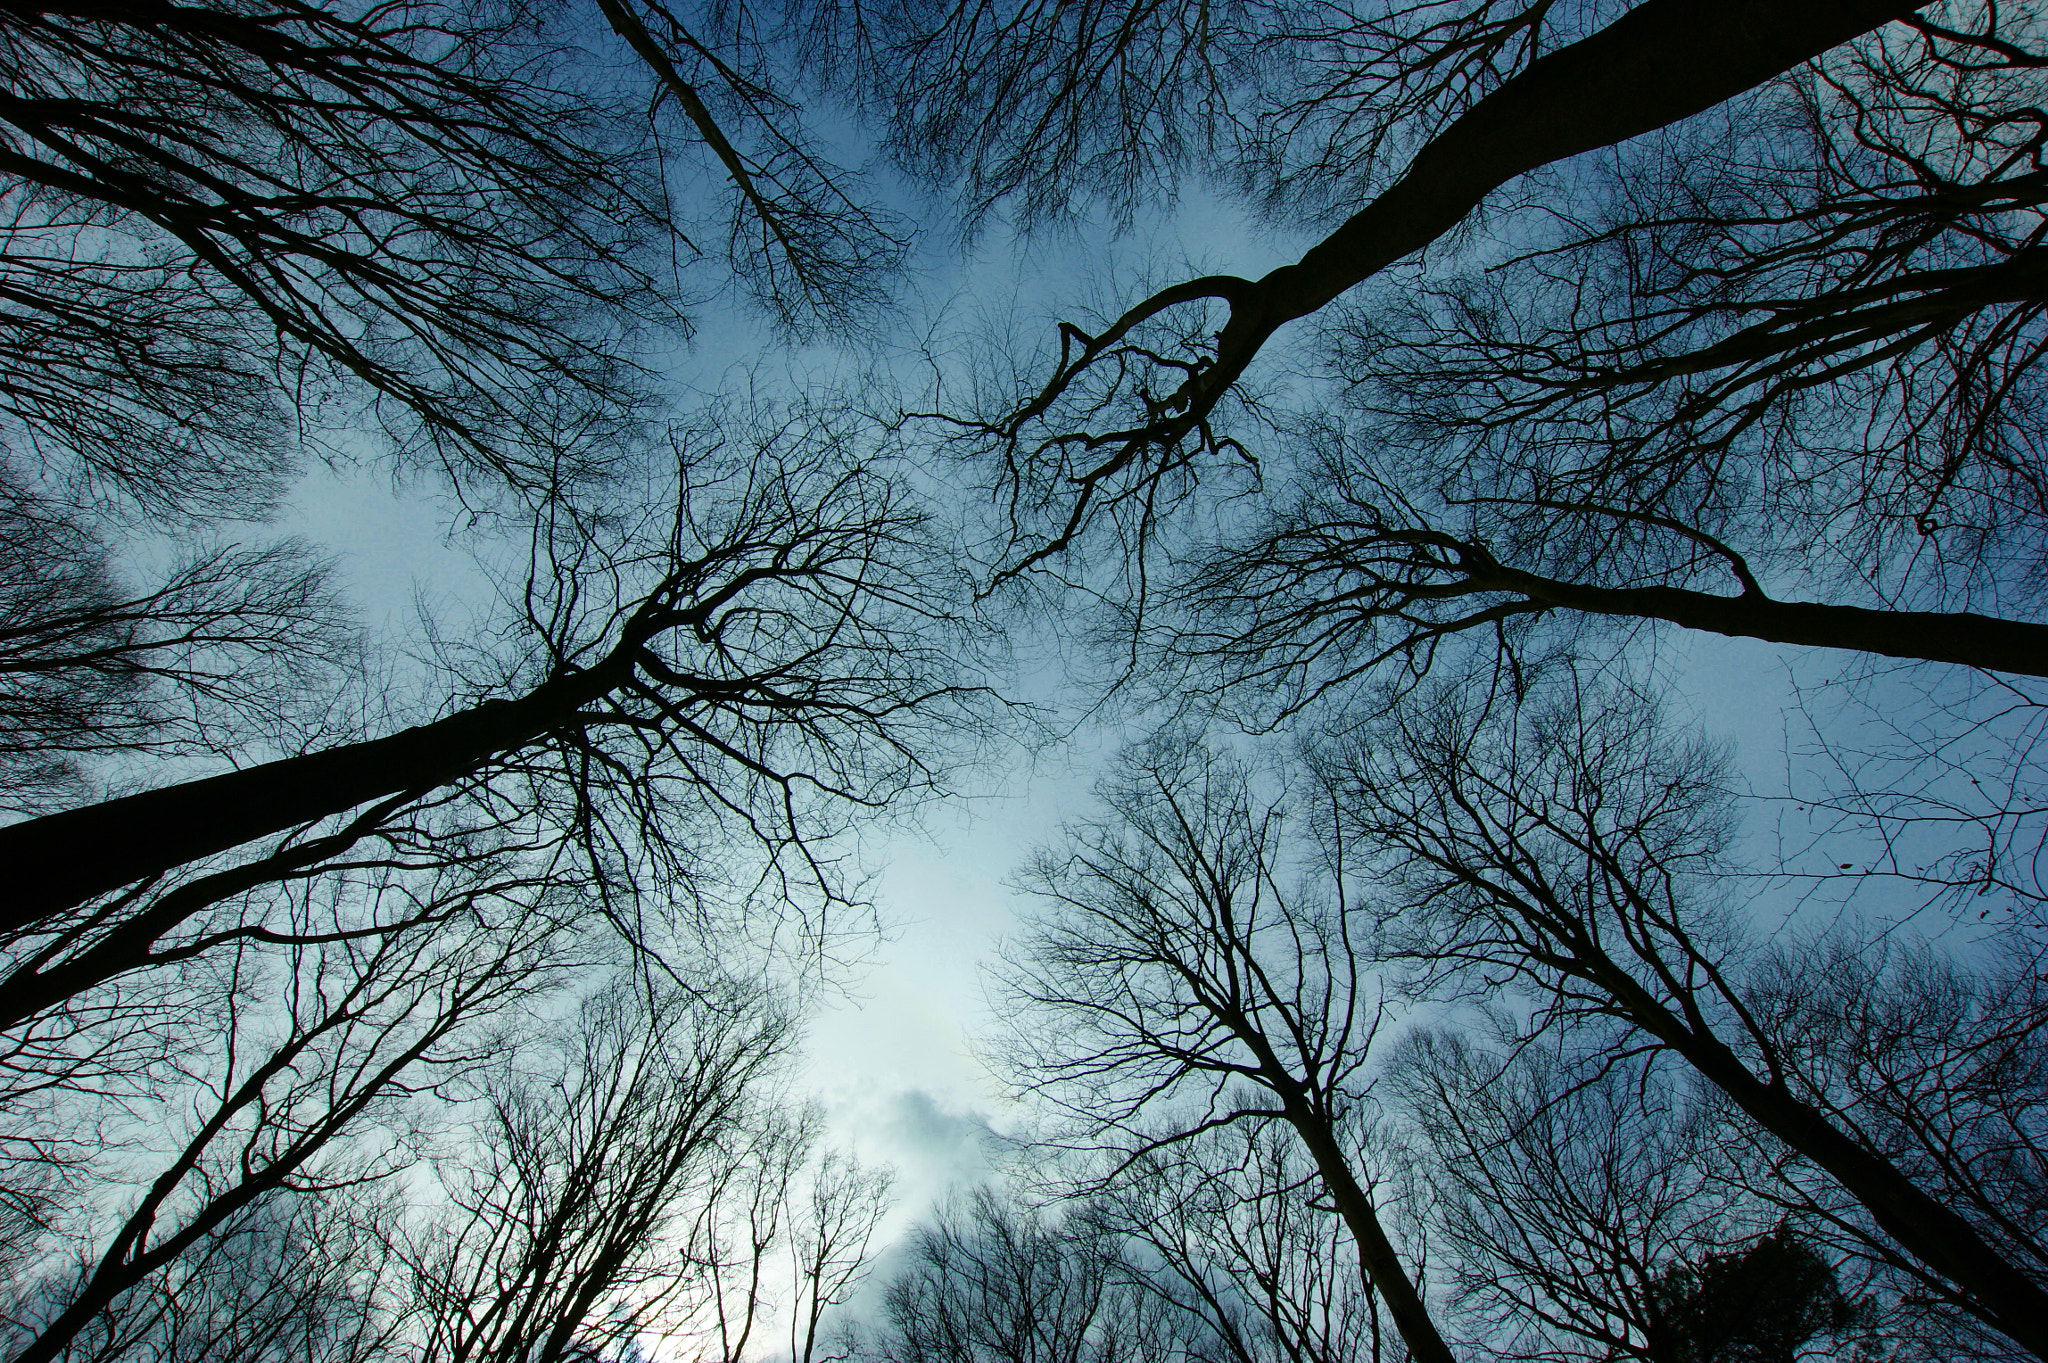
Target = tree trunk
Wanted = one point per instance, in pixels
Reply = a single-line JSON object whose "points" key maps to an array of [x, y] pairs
{"points": [[57, 971], [1384, 1271], [1662, 61], [1933, 636], [2006, 1298], [61, 860]]}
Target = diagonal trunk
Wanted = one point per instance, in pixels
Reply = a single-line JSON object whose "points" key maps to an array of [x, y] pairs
{"points": [[1384, 1271], [1933, 636], [1662, 61], [61, 860], [2004, 1297], [1377, 1258]]}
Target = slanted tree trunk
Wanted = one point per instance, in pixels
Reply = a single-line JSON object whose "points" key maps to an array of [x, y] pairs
{"points": [[1662, 61], [61, 860], [2008, 1299], [1931, 636], [1383, 1270]]}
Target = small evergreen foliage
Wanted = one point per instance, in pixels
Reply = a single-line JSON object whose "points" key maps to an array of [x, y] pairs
{"points": [[1761, 1304]]}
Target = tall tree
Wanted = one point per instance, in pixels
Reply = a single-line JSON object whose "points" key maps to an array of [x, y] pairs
{"points": [[1659, 408], [1175, 983], [441, 216], [1574, 844], [1133, 408], [1230, 1228], [991, 1279], [1785, 352], [1595, 1205], [300, 1081], [765, 658], [569, 1233]]}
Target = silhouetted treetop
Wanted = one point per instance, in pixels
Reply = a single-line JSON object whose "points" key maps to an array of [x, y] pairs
{"points": [[231, 226], [1761, 1304]]}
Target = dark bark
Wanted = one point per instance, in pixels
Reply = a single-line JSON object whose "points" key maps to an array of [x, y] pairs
{"points": [[51, 976], [1932, 636], [1181, 963], [1858, 322], [1381, 1264], [1937, 1236], [1321, 591], [1663, 61], [1384, 1271], [1565, 847], [787, 651], [130, 1258], [1309, 1114], [61, 860]]}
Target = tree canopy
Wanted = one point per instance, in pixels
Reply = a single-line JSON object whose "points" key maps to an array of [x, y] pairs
{"points": [[1426, 980]]}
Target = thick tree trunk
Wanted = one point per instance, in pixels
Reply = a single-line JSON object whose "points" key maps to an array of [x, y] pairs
{"points": [[1935, 1235], [61, 860], [1933, 636], [1662, 61], [59, 970], [1379, 1263], [1384, 1271]]}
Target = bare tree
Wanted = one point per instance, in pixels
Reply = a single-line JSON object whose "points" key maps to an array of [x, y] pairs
{"points": [[1663, 409], [1037, 110], [1354, 575], [744, 1228], [1132, 411], [283, 194], [1231, 1229], [1174, 984], [1586, 1195], [1808, 332], [802, 236], [226, 642], [991, 1281], [583, 1172], [73, 1073], [441, 216], [768, 661], [299, 1274], [569, 1234], [1573, 844], [239, 232], [1933, 1060], [308, 1085], [785, 1232], [1785, 352], [833, 1227]]}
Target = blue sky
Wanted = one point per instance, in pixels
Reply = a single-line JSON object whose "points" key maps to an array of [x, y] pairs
{"points": [[893, 1055]]}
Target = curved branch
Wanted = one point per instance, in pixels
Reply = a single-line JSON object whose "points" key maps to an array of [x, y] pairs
{"points": [[1662, 61]]}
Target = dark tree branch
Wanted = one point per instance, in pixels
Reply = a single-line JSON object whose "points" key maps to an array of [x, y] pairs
{"points": [[1662, 61]]}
